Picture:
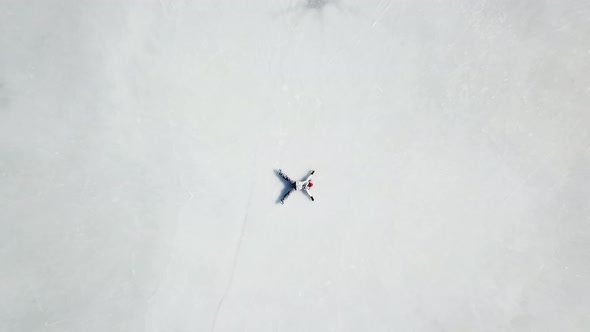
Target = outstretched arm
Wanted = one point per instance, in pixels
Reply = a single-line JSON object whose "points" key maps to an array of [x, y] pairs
{"points": [[309, 194], [309, 176]]}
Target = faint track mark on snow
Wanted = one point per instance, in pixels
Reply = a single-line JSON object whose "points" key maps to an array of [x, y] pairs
{"points": [[234, 263], [236, 251], [183, 184], [37, 302]]}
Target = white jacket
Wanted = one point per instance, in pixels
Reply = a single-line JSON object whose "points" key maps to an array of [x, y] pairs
{"points": [[303, 185]]}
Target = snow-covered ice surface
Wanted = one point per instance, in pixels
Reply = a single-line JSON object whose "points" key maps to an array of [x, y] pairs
{"points": [[139, 142]]}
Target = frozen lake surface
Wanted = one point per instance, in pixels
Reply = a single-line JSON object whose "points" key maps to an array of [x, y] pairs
{"points": [[139, 142]]}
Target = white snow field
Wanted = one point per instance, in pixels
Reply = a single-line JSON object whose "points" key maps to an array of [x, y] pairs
{"points": [[139, 143]]}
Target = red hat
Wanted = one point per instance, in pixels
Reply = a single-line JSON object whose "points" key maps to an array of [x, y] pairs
{"points": [[310, 184]]}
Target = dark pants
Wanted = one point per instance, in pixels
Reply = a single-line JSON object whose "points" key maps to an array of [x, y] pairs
{"points": [[284, 176], [293, 186]]}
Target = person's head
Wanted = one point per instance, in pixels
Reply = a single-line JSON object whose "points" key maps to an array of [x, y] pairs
{"points": [[310, 184]]}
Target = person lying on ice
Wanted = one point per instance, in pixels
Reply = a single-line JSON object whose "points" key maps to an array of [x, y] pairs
{"points": [[297, 185]]}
